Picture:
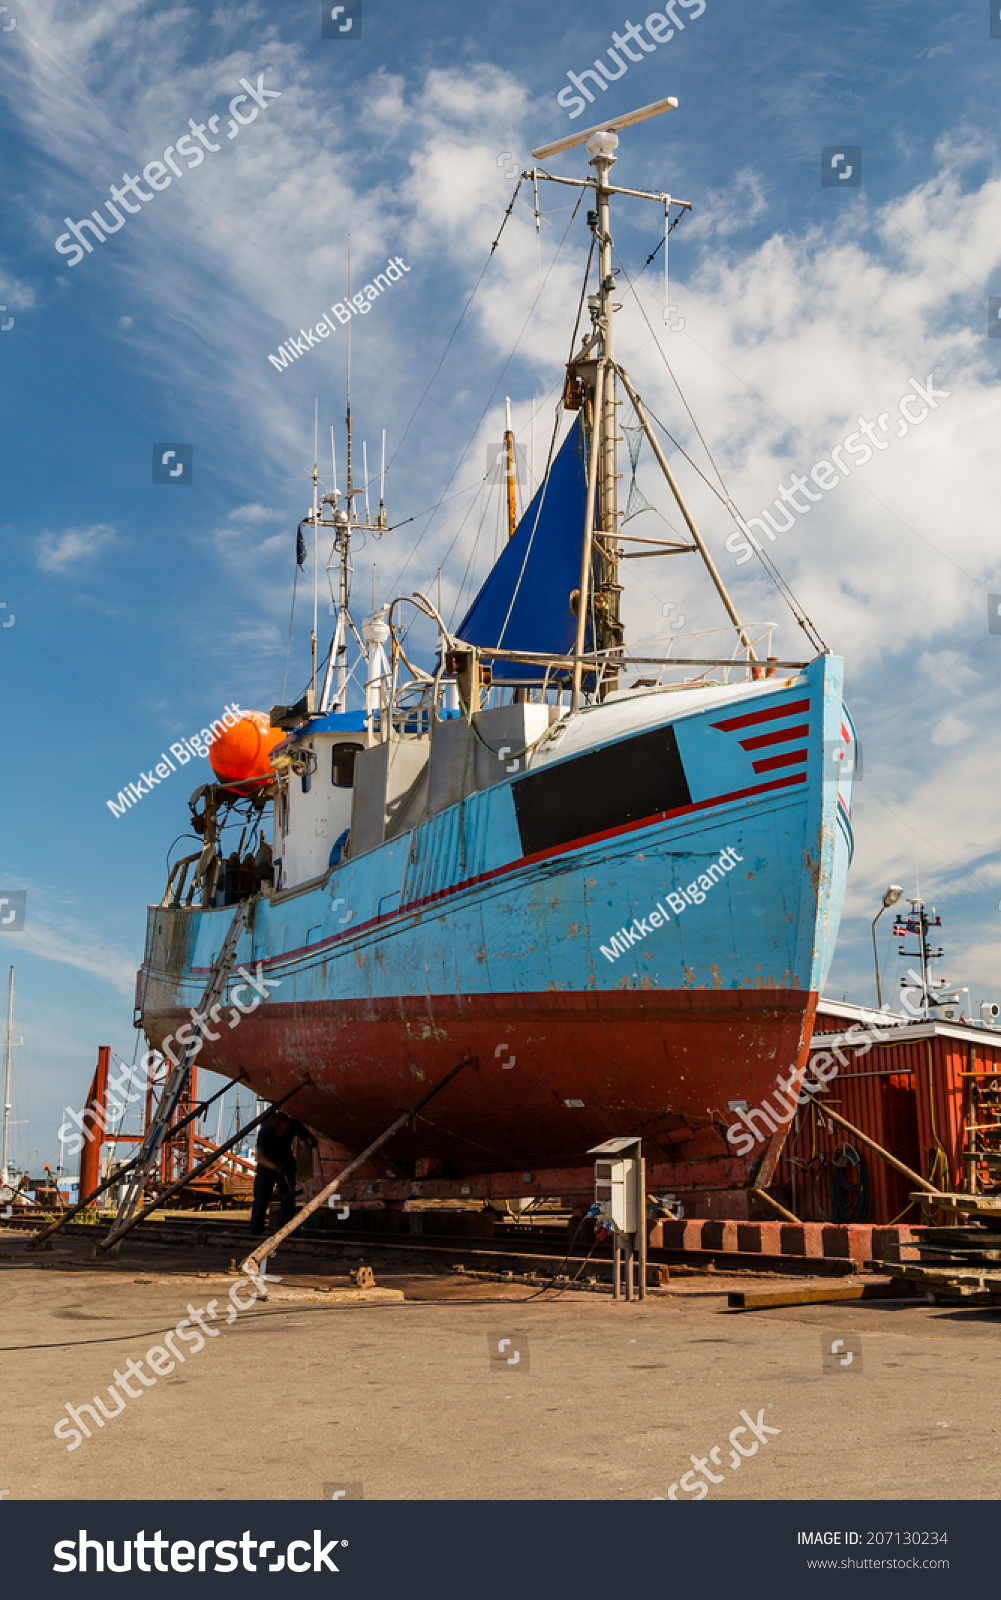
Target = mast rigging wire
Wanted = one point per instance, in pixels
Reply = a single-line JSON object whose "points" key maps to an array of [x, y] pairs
{"points": [[500, 378], [462, 313], [771, 570]]}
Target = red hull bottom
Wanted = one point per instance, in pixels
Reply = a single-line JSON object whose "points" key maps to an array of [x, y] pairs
{"points": [[553, 1074]]}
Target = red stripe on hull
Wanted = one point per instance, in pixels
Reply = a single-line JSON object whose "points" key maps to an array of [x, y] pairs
{"points": [[793, 708], [661, 1063]]}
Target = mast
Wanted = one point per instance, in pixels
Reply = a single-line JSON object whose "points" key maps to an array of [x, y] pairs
{"points": [[6, 1076], [344, 523], [591, 382], [608, 628]]}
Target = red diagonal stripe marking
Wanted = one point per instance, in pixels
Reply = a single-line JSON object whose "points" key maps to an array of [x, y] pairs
{"points": [[790, 758], [800, 731], [794, 708]]}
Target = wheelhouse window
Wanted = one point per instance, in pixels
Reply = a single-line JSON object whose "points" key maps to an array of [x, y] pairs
{"points": [[342, 765]]}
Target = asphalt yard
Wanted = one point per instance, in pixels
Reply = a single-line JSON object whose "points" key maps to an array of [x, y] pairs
{"points": [[473, 1389]]}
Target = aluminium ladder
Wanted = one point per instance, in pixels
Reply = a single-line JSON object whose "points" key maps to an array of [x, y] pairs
{"points": [[159, 1124]]}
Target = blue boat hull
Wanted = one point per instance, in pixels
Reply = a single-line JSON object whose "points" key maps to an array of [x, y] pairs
{"points": [[635, 977]]}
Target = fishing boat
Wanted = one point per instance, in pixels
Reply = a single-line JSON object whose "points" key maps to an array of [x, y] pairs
{"points": [[609, 883]]}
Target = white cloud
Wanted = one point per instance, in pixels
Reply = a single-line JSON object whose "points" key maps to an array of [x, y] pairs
{"points": [[66, 942], [58, 551], [15, 293], [951, 730]]}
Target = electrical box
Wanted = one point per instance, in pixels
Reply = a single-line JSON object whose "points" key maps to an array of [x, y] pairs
{"points": [[617, 1184]]}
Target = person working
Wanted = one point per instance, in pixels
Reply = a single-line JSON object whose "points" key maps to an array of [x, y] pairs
{"points": [[263, 864], [276, 1165]]}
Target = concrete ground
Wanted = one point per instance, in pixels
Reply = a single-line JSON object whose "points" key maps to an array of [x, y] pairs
{"points": [[401, 1401]]}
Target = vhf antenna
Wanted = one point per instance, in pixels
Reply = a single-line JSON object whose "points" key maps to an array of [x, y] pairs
{"points": [[348, 416]]}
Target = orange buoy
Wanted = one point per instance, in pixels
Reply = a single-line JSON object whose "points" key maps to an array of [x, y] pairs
{"points": [[239, 754]]}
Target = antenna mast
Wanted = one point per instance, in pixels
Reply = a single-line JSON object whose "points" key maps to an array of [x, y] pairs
{"points": [[348, 416], [316, 519], [6, 1076]]}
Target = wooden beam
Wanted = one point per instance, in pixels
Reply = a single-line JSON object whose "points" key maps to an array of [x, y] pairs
{"points": [[767, 1300]]}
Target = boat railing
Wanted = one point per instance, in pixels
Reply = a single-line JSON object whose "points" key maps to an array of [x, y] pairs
{"points": [[176, 881], [477, 666]]}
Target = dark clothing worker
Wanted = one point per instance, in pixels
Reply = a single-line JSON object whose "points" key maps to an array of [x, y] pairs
{"points": [[276, 1165]]}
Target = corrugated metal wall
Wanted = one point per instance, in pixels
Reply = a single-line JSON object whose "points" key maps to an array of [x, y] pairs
{"points": [[911, 1096]]}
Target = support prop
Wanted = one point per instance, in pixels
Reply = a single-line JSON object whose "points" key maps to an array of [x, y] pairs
{"points": [[116, 1177], [120, 1229], [251, 1265], [863, 1138]]}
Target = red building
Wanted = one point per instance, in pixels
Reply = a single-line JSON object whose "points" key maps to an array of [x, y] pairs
{"points": [[927, 1092]]}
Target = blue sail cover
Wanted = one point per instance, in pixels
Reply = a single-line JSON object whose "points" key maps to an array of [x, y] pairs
{"points": [[525, 602]]}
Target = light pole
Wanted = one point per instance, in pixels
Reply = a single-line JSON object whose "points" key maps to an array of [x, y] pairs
{"points": [[890, 898]]}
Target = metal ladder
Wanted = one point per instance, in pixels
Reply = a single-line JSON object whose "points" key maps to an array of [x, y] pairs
{"points": [[159, 1125]]}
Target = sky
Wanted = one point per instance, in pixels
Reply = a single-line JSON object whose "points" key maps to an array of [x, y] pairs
{"points": [[134, 611]]}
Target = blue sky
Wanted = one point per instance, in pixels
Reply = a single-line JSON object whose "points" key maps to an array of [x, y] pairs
{"points": [[140, 610]]}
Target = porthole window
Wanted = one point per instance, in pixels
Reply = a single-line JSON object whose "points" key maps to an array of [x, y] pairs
{"points": [[342, 765]]}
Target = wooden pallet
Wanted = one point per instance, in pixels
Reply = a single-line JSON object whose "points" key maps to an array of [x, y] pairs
{"points": [[948, 1285]]}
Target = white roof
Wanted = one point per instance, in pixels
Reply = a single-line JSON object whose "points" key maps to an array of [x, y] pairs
{"points": [[901, 1028]]}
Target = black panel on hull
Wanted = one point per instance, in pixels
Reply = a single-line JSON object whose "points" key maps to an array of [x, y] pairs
{"points": [[620, 783]]}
